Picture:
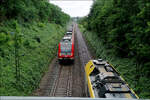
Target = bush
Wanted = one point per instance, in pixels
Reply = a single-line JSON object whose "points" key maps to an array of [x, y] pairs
{"points": [[33, 57]]}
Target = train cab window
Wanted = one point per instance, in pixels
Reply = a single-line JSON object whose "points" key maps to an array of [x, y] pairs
{"points": [[95, 71], [66, 47]]}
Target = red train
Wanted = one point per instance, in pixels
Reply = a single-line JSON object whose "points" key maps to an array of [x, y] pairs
{"points": [[66, 46]]}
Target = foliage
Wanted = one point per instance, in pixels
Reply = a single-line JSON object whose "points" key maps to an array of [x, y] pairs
{"points": [[37, 47], [32, 10], [123, 25]]}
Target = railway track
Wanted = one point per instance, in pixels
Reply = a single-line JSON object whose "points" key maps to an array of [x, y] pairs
{"points": [[63, 83], [66, 80]]}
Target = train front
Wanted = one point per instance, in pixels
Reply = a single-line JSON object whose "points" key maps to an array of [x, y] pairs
{"points": [[66, 49]]}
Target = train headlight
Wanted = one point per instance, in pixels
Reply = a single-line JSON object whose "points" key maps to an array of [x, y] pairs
{"points": [[59, 54], [71, 54]]}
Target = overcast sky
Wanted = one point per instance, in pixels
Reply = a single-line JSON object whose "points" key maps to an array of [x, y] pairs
{"points": [[74, 8]]}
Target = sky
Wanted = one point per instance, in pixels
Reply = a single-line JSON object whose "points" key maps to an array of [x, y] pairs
{"points": [[75, 8]]}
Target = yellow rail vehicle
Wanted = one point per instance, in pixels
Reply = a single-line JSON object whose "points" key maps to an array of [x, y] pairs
{"points": [[105, 82]]}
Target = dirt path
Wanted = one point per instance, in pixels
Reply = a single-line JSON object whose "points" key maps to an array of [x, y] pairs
{"points": [[67, 80]]}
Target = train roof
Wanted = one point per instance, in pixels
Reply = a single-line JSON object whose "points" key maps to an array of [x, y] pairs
{"points": [[69, 32], [66, 39], [106, 82]]}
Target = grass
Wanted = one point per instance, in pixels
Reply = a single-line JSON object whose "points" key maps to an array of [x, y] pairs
{"points": [[37, 47], [125, 66]]}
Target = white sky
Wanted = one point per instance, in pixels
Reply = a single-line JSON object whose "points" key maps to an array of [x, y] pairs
{"points": [[74, 8]]}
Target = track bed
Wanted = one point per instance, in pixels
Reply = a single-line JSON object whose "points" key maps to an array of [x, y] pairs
{"points": [[63, 83]]}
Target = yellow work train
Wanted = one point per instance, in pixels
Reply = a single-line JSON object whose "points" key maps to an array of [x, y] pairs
{"points": [[105, 82]]}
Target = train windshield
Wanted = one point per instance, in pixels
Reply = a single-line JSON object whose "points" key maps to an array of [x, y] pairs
{"points": [[66, 47]]}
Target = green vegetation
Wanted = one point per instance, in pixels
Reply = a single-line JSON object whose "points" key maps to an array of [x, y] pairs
{"points": [[30, 31], [31, 10], [120, 30], [37, 46]]}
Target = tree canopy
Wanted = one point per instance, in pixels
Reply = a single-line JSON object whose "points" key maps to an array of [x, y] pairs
{"points": [[32, 10]]}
